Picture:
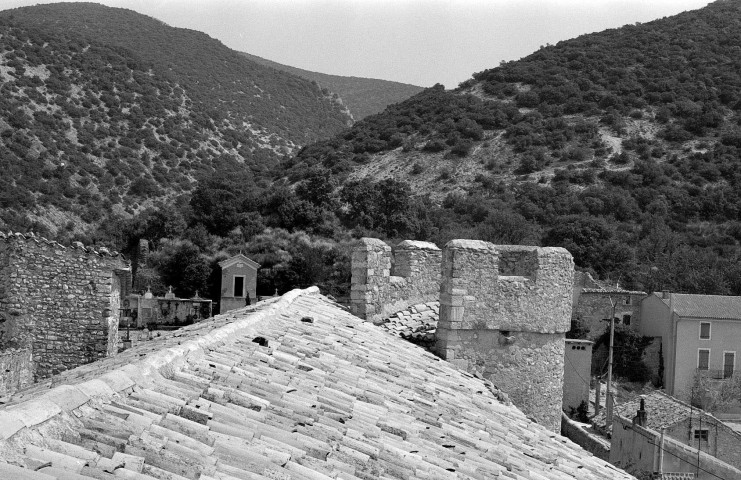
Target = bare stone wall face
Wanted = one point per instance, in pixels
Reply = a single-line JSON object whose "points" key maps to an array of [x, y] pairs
{"points": [[504, 311], [375, 293], [16, 370], [593, 307], [62, 302]]}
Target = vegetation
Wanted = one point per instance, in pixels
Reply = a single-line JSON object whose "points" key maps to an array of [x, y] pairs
{"points": [[628, 348], [622, 146], [362, 96]]}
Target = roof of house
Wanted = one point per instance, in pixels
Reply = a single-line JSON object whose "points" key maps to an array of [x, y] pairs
{"points": [[703, 306], [589, 284], [662, 411], [239, 258], [293, 388], [76, 246]]}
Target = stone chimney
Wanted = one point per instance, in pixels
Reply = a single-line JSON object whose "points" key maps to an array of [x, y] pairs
{"points": [[641, 417]]}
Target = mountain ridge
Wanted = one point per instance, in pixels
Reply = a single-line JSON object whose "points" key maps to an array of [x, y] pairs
{"points": [[363, 96], [133, 112]]}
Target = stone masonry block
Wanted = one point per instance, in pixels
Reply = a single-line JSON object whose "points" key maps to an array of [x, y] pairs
{"points": [[414, 278]]}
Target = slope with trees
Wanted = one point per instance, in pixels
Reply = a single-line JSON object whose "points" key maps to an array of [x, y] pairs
{"points": [[362, 96]]}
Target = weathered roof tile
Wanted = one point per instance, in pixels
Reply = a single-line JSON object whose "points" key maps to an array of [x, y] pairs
{"points": [[336, 398]]}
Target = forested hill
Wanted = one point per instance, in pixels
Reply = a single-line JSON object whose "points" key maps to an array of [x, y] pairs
{"points": [[623, 146], [362, 96], [105, 109]]}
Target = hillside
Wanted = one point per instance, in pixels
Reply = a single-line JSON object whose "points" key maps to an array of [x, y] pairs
{"points": [[623, 146], [362, 96], [104, 109]]}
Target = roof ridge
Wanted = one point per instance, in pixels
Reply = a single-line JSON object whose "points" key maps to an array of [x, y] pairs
{"points": [[30, 236]]}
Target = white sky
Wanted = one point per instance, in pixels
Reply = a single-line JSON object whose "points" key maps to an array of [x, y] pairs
{"points": [[421, 42]]}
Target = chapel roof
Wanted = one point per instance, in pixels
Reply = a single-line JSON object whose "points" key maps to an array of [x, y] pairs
{"points": [[292, 388]]}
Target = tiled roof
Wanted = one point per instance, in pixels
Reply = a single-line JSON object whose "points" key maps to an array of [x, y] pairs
{"points": [[612, 289], [591, 285], [704, 306], [662, 411], [416, 324], [293, 389], [31, 237]]}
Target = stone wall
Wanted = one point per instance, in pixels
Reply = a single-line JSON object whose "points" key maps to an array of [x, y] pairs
{"points": [[592, 443], [61, 302], [504, 311], [16, 370], [594, 308], [386, 280]]}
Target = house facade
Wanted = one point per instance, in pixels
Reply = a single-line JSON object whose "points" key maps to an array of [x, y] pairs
{"points": [[238, 282], [595, 301], [692, 440], [700, 335]]}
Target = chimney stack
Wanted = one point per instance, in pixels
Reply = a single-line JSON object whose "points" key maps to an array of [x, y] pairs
{"points": [[642, 416]]}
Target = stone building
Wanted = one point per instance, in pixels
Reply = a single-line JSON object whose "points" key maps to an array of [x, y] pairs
{"points": [[296, 388], [238, 282], [594, 301], [504, 313], [61, 303], [386, 280], [692, 438], [504, 310]]}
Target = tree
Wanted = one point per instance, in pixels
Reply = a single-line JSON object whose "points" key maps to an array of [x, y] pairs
{"points": [[628, 348]]}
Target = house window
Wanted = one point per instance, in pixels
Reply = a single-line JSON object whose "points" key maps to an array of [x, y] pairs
{"points": [[703, 358], [628, 301], [729, 364], [626, 319], [238, 286], [704, 330], [701, 434]]}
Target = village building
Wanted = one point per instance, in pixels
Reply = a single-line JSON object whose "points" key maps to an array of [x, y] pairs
{"points": [[503, 309], [238, 282], [594, 302], [59, 306], [700, 336], [659, 433], [291, 388]]}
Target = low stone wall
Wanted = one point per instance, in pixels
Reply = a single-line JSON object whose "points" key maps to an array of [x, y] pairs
{"points": [[504, 311], [16, 370], [592, 443], [386, 280], [62, 302]]}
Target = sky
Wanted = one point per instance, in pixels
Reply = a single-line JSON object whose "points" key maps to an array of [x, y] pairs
{"points": [[421, 42]]}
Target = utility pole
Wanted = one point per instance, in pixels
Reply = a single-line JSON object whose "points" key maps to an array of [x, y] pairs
{"points": [[608, 394]]}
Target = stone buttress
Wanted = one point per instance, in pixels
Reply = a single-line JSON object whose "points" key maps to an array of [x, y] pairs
{"points": [[504, 311], [386, 280]]}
